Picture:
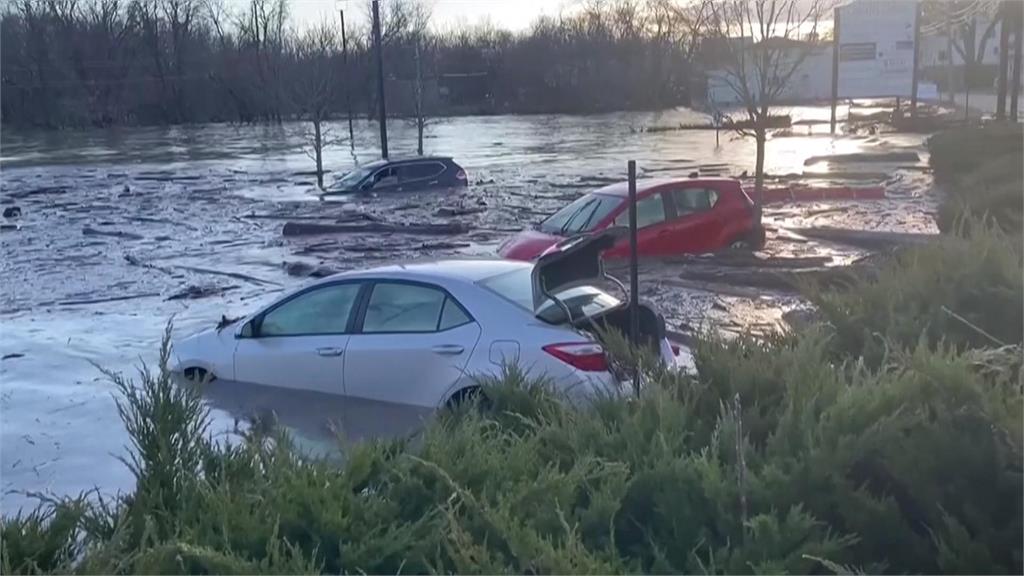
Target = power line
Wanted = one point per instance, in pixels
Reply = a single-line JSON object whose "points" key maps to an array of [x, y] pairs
{"points": [[960, 17]]}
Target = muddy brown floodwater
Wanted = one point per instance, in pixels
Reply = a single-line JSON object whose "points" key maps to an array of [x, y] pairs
{"points": [[121, 230]]}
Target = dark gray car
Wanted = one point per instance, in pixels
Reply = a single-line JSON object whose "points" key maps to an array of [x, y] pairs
{"points": [[401, 175]]}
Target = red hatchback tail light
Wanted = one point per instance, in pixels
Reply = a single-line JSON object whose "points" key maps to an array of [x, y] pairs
{"points": [[585, 356], [460, 175]]}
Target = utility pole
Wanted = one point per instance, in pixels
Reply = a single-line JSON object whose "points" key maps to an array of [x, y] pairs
{"points": [[1004, 59], [380, 81], [1018, 29], [917, 53], [835, 70], [418, 100], [951, 95], [345, 76], [967, 73]]}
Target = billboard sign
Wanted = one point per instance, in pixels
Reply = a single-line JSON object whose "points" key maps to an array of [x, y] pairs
{"points": [[876, 48]]}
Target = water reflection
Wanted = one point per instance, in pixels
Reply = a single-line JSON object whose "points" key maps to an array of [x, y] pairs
{"points": [[477, 142], [316, 420]]}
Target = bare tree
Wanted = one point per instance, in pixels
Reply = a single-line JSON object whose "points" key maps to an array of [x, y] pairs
{"points": [[960, 21], [420, 116], [217, 14], [692, 20], [180, 17], [261, 31], [401, 20], [103, 62], [966, 42], [315, 88], [761, 45]]}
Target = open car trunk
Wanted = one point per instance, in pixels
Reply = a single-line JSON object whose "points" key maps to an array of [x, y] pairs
{"points": [[577, 262], [652, 326]]}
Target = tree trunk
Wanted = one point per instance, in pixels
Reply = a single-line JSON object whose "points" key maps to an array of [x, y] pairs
{"points": [[1004, 60], [318, 148], [761, 136], [419, 137]]}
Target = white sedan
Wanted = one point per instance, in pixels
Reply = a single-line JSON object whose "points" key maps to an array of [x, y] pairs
{"points": [[402, 340]]}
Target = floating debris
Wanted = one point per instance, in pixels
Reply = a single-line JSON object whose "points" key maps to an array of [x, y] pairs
{"points": [[307, 229], [193, 292], [87, 231]]}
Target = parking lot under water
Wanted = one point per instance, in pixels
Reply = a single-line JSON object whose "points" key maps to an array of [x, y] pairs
{"points": [[118, 227]]}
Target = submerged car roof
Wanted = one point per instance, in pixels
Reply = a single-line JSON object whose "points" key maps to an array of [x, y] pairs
{"points": [[647, 184], [406, 160]]}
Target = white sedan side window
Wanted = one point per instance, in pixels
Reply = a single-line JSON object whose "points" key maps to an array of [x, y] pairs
{"points": [[321, 311], [452, 315], [397, 307]]}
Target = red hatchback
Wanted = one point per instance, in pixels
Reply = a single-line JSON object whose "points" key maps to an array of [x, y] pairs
{"points": [[674, 216]]}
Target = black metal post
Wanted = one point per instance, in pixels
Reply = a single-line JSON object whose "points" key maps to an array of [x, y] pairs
{"points": [[917, 52], [380, 81], [967, 92], [634, 278], [345, 76], [835, 69]]}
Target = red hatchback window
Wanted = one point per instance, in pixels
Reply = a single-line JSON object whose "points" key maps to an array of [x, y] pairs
{"points": [[650, 210], [690, 200], [580, 216]]}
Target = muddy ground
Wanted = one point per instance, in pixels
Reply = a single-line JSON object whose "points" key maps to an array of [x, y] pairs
{"points": [[120, 231]]}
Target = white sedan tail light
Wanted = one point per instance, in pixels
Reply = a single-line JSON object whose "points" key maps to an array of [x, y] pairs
{"points": [[584, 356]]}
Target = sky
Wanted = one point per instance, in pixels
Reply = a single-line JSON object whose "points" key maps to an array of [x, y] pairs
{"points": [[509, 14], [515, 15]]}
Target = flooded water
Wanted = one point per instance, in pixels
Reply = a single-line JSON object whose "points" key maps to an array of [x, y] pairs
{"points": [[116, 225]]}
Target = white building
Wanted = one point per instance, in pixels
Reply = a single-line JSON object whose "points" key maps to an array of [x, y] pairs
{"points": [[811, 81], [876, 58]]}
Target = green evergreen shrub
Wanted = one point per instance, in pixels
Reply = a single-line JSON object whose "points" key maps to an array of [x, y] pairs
{"points": [[966, 292], [981, 172], [776, 458]]}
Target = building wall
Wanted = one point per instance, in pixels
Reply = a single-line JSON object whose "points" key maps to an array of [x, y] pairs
{"points": [[812, 81], [876, 58], [876, 48]]}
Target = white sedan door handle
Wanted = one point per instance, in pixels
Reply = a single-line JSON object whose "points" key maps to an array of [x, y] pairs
{"points": [[330, 351], [451, 349]]}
